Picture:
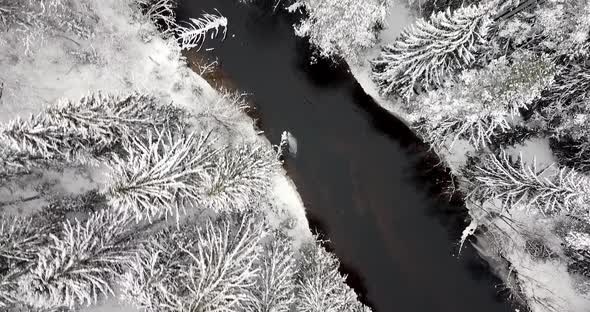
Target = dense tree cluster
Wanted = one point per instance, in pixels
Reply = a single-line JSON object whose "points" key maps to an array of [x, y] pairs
{"points": [[341, 28]]}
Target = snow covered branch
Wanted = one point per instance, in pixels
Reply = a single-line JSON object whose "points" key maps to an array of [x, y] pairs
{"points": [[427, 52], [80, 263], [162, 175], [173, 172], [194, 33]]}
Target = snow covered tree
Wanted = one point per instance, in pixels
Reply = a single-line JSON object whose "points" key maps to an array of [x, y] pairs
{"points": [[193, 33], [161, 175], [341, 28], [197, 269], [275, 283], [428, 52], [79, 264], [321, 287], [241, 175], [173, 172], [95, 126], [482, 102], [515, 183]]}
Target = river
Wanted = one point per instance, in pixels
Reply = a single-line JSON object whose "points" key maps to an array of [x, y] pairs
{"points": [[367, 181]]}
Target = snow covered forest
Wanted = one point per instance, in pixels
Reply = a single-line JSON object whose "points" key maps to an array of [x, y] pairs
{"points": [[126, 178], [499, 89]]}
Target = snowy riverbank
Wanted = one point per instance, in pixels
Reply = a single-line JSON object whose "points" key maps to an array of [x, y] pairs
{"points": [[116, 51]]}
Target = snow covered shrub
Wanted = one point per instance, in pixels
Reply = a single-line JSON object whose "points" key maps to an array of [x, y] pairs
{"points": [[95, 126], [193, 33], [209, 268], [513, 183], [483, 102], [429, 51], [274, 290], [321, 287], [162, 176], [79, 264], [341, 28]]}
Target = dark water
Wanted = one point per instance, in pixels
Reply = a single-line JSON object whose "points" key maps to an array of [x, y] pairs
{"points": [[366, 180]]}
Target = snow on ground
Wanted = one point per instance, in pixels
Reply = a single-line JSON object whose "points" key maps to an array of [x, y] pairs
{"points": [[125, 54]]}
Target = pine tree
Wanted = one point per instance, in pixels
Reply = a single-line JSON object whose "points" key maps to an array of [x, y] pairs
{"points": [[80, 264], [96, 125], [162, 175], [197, 269], [194, 33], [275, 283], [428, 52], [321, 287], [514, 183]]}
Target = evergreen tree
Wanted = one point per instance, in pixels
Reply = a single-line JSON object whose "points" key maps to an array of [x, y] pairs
{"points": [[514, 183], [80, 264], [96, 125], [197, 269], [167, 174], [427, 52], [162, 175]]}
